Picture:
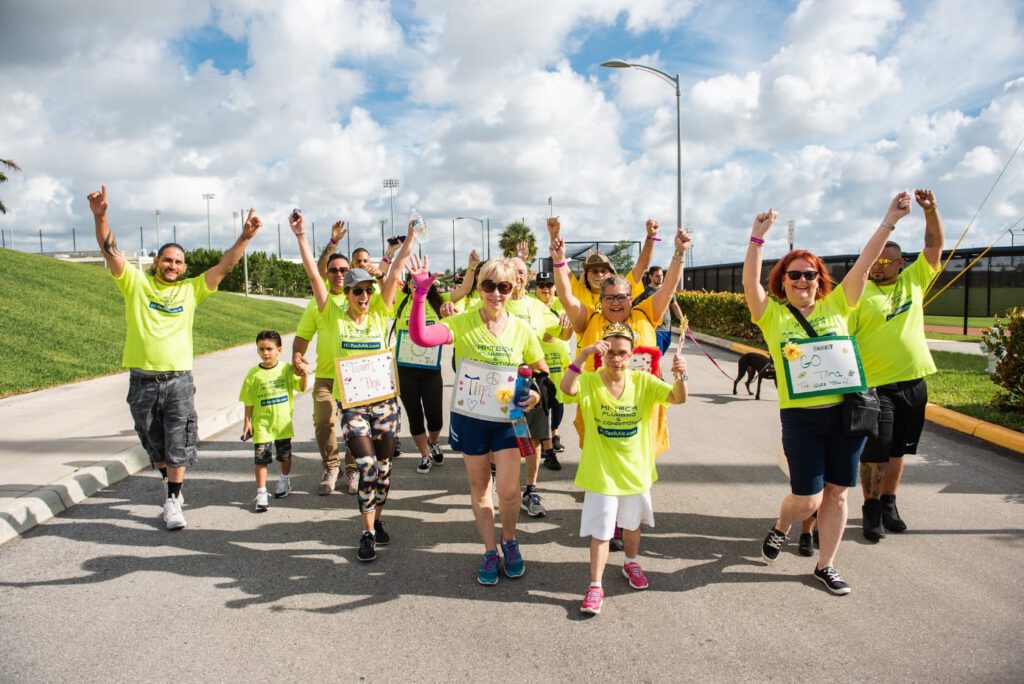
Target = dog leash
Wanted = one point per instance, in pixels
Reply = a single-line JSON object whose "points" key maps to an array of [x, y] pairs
{"points": [[690, 335]]}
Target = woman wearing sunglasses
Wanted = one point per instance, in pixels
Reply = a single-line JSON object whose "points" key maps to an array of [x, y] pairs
{"points": [[487, 335], [823, 461], [369, 431]]}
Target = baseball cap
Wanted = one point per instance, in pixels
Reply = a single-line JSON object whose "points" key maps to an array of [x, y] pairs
{"points": [[545, 277], [356, 276]]}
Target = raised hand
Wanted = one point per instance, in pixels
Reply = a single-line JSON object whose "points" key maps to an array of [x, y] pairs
{"points": [[296, 221], [763, 222], [600, 347], [554, 227], [557, 250], [926, 199], [98, 202], [898, 208], [392, 249], [474, 261], [652, 227], [523, 251], [252, 225], [420, 273], [338, 231], [683, 240]]}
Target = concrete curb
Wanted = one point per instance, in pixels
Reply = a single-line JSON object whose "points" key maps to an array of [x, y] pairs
{"points": [[975, 427], [25, 512]]}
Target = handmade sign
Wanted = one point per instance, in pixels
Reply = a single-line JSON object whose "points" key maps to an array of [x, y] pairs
{"points": [[822, 365], [366, 378], [484, 391], [644, 359], [412, 355]]}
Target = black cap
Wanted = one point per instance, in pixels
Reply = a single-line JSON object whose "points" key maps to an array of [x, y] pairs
{"points": [[545, 277]]}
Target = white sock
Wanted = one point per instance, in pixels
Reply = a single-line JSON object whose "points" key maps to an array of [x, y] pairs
{"points": [[260, 489], [596, 584], [630, 560]]}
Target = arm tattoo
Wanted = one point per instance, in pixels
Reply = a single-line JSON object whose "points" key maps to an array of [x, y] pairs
{"points": [[110, 247]]}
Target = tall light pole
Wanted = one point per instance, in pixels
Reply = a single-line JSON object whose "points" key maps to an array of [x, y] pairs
{"points": [[389, 184], [383, 222], [674, 81], [209, 234], [453, 248], [472, 218], [157, 212]]}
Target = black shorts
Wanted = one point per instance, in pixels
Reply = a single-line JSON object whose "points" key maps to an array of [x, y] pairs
{"points": [[900, 422]]}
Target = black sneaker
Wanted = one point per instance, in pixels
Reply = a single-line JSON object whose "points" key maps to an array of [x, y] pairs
{"points": [[550, 460], [381, 535], [436, 453], [367, 548], [806, 544], [831, 579], [772, 545], [556, 444], [891, 519]]}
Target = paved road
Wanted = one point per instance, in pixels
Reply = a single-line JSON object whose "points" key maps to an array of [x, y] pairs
{"points": [[103, 593]]}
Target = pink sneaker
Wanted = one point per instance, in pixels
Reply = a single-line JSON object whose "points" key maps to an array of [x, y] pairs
{"points": [[635, 574], [592, 601]]}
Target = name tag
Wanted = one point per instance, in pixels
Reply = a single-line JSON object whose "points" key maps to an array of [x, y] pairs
{"points": [[411, 355], [822, 365]]}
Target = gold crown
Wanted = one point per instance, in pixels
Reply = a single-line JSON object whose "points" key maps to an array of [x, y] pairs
{"points": [[618, 330]]}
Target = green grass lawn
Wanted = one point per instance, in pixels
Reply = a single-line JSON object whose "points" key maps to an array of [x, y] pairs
{"points": [[64, 322], [972, 321], [962, 385], [952, 338]]}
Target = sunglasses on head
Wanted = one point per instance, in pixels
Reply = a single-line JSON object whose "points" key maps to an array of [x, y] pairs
{"points": [[360, 291], [489, 286], [806, 275], [338, 269], [882, 261]]}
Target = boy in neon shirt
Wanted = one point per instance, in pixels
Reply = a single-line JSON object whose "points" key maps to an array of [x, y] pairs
{"points": [[617, 462], [268, 393]]}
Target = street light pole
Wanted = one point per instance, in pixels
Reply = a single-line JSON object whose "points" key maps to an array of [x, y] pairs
{"points": [[389, 184], [383, 249], [209, 234], [157, 212], [471, 218], [453, 247], [674, 81]]}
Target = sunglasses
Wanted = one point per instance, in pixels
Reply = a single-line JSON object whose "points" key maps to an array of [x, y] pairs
{"points": [[360, 291], [490, 286], [338, 269], [882, 261], [615, 298], [806, 275]]}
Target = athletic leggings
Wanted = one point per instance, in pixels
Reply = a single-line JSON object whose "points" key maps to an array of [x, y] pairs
{"points": [[369, 433], [422, 392]]}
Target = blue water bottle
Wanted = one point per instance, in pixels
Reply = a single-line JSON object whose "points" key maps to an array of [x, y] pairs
{"points": [[517, 414]]}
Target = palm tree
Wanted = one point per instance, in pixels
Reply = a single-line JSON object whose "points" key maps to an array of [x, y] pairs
{"points": [[10, 165], [514, 233]]}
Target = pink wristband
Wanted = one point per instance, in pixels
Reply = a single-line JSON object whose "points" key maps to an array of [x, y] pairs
{"points": [[560, 264], [575, 369], [756, 240], [385, 260], [653, 238]]}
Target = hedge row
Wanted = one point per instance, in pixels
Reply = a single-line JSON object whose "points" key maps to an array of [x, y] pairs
{"points": [[720, 313]]}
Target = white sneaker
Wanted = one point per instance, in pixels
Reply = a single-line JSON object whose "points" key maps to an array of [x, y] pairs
{"points": [[262, 501], [174, 519], [181, 494], [284, 487]]}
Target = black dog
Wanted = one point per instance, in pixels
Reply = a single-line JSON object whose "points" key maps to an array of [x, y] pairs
{"points": [[751, 363]]}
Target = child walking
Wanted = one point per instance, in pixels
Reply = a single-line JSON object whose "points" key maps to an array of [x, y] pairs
{"points": [[617, 462], [268, 393]]}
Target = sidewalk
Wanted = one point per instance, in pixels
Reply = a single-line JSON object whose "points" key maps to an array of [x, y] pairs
{"points": [[63, 444]]}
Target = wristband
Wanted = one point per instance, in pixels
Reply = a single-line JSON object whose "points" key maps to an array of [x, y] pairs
{"points": [[654, 238], [934, 208], [890, 226], [575, 369], [756, 240], [385, 260], [299, 234], [560, 264], [332, 241]]}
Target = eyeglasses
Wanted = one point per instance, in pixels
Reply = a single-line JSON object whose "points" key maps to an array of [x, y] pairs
{"points": [[615, 298], [489, 286], [883, 262], [360, 291], [338, 269], [806, 275]]}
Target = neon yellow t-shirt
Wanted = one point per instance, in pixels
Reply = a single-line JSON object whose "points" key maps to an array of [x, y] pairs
{"points": [[271, 393], [618, 457], [352, 338], [313, 323], [159, 320], [541, 320], [778, 325], [555, 304], [593, 301], [889, 325], [639, 320], [516, 344], [402, 321], [556, 354]]}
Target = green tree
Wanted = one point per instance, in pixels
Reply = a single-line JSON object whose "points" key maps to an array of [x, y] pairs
{"points": [[514, 233], [622, 257], [10, 166]]}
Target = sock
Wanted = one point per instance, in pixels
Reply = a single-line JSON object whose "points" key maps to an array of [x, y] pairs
{"points": [[163, 472], [629, 560], [260, 489], [530, 488], [174, 489], [596, 584]]}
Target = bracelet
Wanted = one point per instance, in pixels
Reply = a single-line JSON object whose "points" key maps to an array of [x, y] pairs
{"points": [[654, 238], [757, 240], [332, 241], [890, 226], [560, 264], [575, 369], [385, 260], [934, 208]]}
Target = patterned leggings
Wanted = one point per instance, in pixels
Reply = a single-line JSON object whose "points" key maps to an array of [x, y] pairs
{"points": [[369, 433], [374, 482]]}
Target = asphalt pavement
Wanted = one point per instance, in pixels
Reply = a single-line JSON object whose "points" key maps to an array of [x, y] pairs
{"points": [[103, 593]]}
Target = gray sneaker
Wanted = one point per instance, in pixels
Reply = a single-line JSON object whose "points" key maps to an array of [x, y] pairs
{"points": [[532, 505], [284, 487]]}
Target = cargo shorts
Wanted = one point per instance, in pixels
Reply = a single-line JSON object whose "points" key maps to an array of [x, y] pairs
{"points": [[163, 408]]}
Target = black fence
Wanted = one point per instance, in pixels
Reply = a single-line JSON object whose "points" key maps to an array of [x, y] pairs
{"points": [[989, 288]]}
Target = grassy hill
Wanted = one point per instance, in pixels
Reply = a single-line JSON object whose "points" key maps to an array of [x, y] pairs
{"points": [[62, 322]]}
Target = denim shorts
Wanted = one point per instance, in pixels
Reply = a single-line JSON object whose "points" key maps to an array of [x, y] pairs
{"points": [[163, 408], [264, 452], [817, 450], [475, 437]]}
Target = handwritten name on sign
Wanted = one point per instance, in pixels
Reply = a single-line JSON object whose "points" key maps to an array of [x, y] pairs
{"points": [[366, 378], [822, 365], [483, 391], [412, 355]]}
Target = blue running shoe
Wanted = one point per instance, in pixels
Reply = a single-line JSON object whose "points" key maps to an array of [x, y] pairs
{"points": [[488, 572], [514, 566]]}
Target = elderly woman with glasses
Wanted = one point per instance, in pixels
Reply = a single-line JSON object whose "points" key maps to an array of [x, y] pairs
{"points": [[485, 335], [822, 458]]}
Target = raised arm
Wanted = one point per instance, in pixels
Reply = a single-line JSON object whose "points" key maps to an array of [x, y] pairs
{"points": [[857, 277], [419, 332], [574, 309], [757, 298], [389, 285], [104, 237], [218, 271], [338, 231], [933, 233], [570, 384], [463, 288], [664, 294], [647, 251], [298, 226]]}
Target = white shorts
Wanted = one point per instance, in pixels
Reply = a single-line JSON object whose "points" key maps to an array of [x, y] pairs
{"points": [[601, 512]]}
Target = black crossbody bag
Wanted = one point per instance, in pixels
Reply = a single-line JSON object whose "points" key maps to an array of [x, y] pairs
{"points": [[860, 409]]}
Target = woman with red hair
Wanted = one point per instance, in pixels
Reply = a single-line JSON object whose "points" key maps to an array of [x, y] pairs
{"points": [[823, 460]]}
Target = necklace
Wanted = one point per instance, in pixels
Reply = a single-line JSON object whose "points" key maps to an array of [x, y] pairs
{"points": [[172, 291]]}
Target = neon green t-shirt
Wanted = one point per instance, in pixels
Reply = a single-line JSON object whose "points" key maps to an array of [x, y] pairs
{"points": [[271, 393], [618, 456], [516, 344], [555, 304], [778, 325], [352, 338], [313, 323], [889, 325], [403, 306], [538, 317], [556, 354], [159, 320]]}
